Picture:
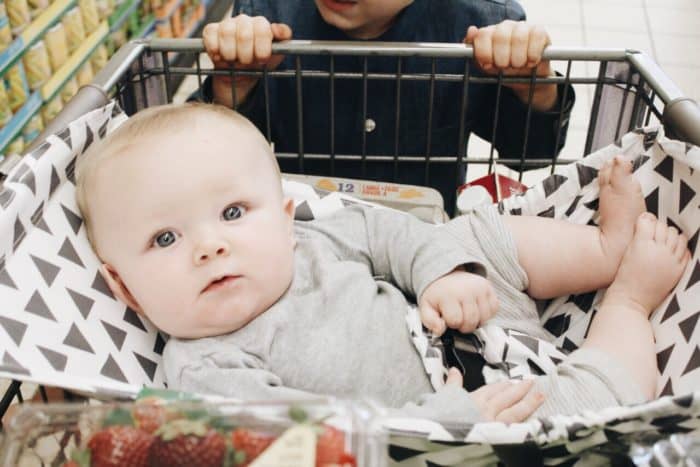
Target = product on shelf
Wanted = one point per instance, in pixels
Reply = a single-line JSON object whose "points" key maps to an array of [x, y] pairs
{"points": [[36, 7], [57, 45], [99, 58], [5, 110], [16, 84], [51, 109], [84, 75], [75, 29], [18, 13], [16, 146], [36, 65], [163, 29], [119, 37], [104, 8], [5, 31], [69, 89], [91, 18], [32, 129]]}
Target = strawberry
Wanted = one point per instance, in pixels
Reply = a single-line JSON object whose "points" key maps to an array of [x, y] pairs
{"points": [[119, 446], [149, 415], [250, 443], [330, 448], [70, 464], [187, 443]]}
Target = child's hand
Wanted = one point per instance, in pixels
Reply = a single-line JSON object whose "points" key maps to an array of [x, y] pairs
{"points": [[506, 402], [515, 48], [460, 300], [246, 43]]}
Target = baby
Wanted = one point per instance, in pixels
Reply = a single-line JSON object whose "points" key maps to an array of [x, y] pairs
{"points": [[194, 232]]}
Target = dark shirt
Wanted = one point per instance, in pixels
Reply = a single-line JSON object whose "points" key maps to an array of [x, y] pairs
{"points": [[422, 21]]}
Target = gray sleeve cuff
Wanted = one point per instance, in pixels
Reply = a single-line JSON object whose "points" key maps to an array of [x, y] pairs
{"points": [[450, 403], [451, 253]]}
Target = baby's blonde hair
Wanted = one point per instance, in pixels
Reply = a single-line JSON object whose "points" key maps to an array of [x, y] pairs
{"points": [[155, 121]]}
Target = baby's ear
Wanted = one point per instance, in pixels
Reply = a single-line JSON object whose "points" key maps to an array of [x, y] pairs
{"points": [[116, 285]]}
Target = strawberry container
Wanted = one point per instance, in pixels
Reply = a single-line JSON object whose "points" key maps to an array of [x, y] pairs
{"points": [[155, 432]]}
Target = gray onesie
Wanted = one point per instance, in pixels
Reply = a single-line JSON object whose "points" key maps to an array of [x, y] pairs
{"points": [[341, 328]]}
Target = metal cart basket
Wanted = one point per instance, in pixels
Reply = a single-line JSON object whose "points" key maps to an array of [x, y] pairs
{"points": [[627, 89]]}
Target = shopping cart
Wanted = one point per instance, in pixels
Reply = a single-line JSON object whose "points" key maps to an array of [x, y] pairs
{"points": [[628, 91]]}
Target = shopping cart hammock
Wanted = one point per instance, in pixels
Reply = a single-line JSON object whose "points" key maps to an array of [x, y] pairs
{"points": [[60, 325]]}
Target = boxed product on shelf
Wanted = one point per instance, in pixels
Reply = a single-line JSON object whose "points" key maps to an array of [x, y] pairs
{"points": [[5, 31], [16, 85], [18, 14], [75, 29], [37, 66], [154, 432]]}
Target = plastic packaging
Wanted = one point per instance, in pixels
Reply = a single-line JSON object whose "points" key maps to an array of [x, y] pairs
{"points": [[57, 46], [51, 109], [5, 31], [69, 90], [5, 110], [37, 65], [16, 85], [75, 29], [91, 17], [99, 58], [84, 75], [326, 433], [18, 14]]}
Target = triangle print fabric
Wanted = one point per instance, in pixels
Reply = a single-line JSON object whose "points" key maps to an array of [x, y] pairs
{"points": [[59, 324]]}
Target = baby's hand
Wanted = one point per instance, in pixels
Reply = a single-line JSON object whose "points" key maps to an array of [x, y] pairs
{"points": [[246, 43], [515, 48], [460, 300], [506, 402]]}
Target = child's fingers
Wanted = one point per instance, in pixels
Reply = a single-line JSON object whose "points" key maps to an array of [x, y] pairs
{"points": [[506, 398], [539, 39], [262, 32], [471, 315], [210, 36], [245, 40], [519, 44], [522, 409], [502, 37], [227, 39], [431, 319], [486, 392], [454, 377], [483, 50], [281, 32]]}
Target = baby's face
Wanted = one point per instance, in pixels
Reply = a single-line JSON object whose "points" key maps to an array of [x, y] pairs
{"points": [[362, 19], [193, 229]]}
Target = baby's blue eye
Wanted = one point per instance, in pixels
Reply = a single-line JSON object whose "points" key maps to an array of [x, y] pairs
{"points": [[232, 213], [165, 239]]}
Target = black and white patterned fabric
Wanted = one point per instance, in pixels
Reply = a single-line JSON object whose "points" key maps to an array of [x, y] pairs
{"points": [[60, 325]]}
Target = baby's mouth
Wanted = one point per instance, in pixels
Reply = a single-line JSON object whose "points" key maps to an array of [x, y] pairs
{"points": [[221, 282]]}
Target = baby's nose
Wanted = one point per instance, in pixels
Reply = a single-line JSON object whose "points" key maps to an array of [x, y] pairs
{"points": [[211, 250]]}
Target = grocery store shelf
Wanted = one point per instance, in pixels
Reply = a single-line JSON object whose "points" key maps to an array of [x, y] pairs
{"points": [[32, 32], [68, 69], [148, 26], [20, 119], [167, 11]]}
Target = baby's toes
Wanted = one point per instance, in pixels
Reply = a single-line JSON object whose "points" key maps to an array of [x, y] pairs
{"points": [[646, 226], [671, 238], [621, 169], [681, 247], [660, 232], [604, 174]]}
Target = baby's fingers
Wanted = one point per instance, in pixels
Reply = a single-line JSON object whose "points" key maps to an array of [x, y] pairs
{"points": [[431, 319], [522, 409], [506, 399]]}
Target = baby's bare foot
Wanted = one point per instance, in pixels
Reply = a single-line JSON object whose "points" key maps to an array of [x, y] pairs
{"points": [[621, 203], [651, 266]]}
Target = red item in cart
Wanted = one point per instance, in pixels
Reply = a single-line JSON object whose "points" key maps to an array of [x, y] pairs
{"points": [[499, 186]]}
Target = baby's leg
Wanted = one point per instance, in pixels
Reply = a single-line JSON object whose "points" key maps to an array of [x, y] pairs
{"points": [[562, 258], [650, 268]]}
